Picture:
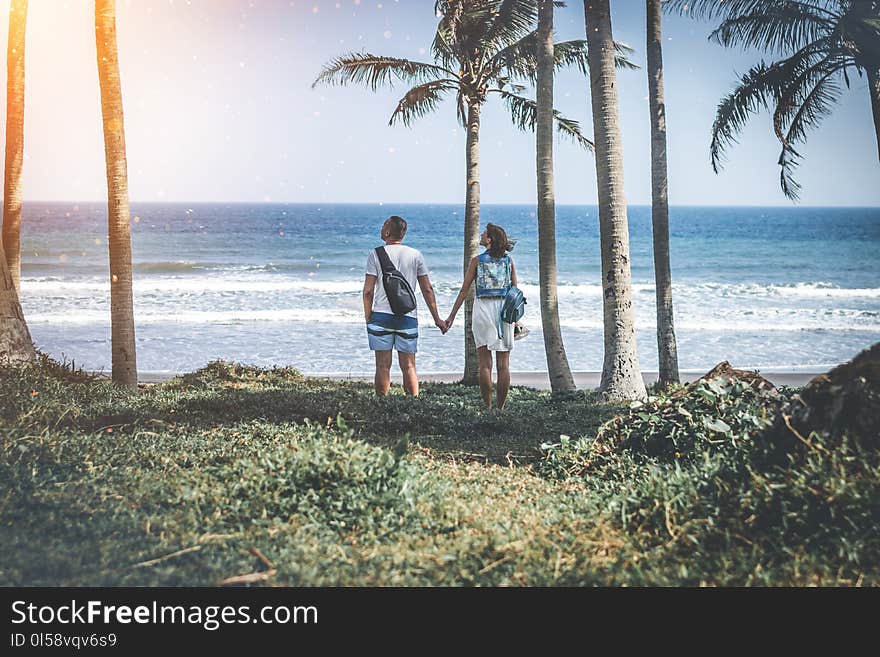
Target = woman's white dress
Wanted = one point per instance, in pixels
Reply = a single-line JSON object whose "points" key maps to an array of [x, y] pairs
{"points": [[485, 325]]}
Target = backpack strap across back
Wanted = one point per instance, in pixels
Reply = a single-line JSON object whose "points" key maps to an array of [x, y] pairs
{"points": [[384, 260]]}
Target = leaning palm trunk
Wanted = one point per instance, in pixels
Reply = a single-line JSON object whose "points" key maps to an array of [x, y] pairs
{"points": [[874, 88], [667, 351], [561, 379], [621, 377], [471, 235], [118, 214], [15, 339], [14, 139]]}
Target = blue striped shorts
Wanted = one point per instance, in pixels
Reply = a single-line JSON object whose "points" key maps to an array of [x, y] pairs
{"points": [[386, 331]]}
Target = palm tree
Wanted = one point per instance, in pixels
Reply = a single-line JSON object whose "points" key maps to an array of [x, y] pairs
{"points": [[820, 42], [14, 138], [480, 46], [15, 339], [124, 358], [621, 376], [667, 350], [561, 380]]}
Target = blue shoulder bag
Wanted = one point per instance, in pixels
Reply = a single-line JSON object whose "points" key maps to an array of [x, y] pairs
{"points": [[513, 306]]}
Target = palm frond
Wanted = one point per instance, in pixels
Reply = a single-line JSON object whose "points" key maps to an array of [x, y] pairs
{"points": [[575, 53], [758, 89], [451, 13], [622, 54], [802, 106], [524, 113], [777, 29], [571, 53], [518, 59], [819, 40], [464, 25], [375, 71], [521, 58], [806, 98], [421, 100], [511, 21], [442, 48], [726, 9], [865, 32], [445, 47]]}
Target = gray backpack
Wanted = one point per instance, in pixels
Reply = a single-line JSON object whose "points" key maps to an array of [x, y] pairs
{"points": [[397, 289]]}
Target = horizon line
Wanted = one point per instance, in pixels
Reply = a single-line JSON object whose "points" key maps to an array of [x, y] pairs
{"points": [[505, 203]]}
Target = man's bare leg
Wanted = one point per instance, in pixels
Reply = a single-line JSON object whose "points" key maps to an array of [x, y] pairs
{"points": [[408, 368], [382, 380]]}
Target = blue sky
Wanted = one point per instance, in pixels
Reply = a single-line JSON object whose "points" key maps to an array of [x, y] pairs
{"points": [[219, 107]]}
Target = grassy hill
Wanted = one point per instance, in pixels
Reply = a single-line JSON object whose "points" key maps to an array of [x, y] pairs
{"points": [[238, 475]]}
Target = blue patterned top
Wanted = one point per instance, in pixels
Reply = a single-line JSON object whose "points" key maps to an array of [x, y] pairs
{"points": [[493, 275]]}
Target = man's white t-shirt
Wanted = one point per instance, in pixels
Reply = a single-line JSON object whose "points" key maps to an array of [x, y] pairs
{"points": [[408, 261]]}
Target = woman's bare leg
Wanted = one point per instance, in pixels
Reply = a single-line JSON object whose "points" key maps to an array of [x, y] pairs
{"points": [[503, 362], [485, 375]]}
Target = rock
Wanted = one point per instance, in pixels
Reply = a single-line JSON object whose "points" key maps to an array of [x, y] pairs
{"points": [[842, 402]]}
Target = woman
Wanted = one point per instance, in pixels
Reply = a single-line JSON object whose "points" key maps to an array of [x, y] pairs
{"points": [[494, 273]]}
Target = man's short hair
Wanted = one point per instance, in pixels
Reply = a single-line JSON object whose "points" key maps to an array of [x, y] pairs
{"points": [[396, 227]]}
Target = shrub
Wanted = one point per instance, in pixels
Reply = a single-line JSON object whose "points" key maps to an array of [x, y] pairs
{"points": [[714, 415], [699, 478], [219, 372]]}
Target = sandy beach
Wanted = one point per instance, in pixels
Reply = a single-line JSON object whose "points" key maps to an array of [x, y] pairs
{"points": [[590, 380], [540, 380]]}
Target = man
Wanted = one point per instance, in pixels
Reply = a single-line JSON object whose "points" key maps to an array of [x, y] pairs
{"points": [[385, 330]]}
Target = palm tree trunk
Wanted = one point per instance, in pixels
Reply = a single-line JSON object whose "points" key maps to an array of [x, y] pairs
{"points": [[558, 369], [621, 376], [15, 339], [14, 139], [118, 215], [666, 346], [471, 235], [874, 88]]}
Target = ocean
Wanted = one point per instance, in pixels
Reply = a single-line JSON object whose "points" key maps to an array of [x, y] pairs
{"points": [[782, 289]]}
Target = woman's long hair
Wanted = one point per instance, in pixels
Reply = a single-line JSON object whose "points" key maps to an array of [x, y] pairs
{"points": [[499, 243]]}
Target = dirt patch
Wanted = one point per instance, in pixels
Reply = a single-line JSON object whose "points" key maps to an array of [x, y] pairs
{"points": [[842, 402]]}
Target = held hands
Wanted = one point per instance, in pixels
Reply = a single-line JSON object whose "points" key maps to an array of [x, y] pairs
{"points": [[444, 324]]}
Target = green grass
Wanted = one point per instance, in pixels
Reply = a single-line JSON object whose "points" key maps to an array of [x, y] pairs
{"points": [[178, 483]]}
